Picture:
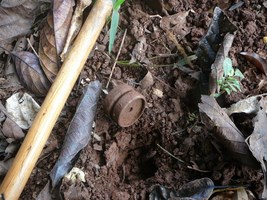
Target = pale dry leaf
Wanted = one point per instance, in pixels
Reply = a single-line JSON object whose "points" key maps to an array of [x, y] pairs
{"points": [[30, 72], [75, 25], [257, 143], [249, 105], [22, 109], [62, 14], [79, 131], [176, 24], [217, 67], [215, 118]]}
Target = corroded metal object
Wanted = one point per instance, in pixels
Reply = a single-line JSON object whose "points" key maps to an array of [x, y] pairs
{"points": [[124, 105]]}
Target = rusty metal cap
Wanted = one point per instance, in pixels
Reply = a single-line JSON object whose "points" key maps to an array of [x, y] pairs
{"points": [[124, 105]]}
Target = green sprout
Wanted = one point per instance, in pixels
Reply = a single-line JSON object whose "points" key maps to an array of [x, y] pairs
{"points": [[231, 78], [192, 117], [114, 22]]}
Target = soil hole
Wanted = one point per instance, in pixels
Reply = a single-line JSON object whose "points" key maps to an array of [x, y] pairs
{"points": [[148, 168]]}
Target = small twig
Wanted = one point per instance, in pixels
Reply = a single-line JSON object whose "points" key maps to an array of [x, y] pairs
{"points": [[152, 16], [181, 161], [115, 62], [32, 47]]}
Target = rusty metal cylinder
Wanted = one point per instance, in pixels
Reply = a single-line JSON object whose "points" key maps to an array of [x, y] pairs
{"points": [[124, 105]]}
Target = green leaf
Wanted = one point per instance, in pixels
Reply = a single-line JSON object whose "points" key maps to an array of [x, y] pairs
{"points": [[216, 95], [220, 81], [118, 4], [227, 67], [113, 29], [238, 87], [235, 81], [227, 90], [238, 73], [233, 87]]}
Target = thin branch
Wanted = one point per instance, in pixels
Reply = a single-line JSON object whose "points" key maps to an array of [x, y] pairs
{"points": [[32, 47], [181, 161], [115, 62]]}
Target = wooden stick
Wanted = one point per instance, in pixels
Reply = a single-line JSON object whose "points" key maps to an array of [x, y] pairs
{"points": [[28, 154]]}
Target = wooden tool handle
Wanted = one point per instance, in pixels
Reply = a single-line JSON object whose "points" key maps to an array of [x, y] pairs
{"points": [[45, 120]]}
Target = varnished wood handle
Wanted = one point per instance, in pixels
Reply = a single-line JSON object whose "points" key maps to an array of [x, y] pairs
{"points": [[30, 150]]}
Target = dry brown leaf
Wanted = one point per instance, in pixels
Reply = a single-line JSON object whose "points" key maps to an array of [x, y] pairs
{"points": [[62, 14], [47, 50], [12, 130], [30, 72], [75, 25], [53, 36], [215, 118], [16, 21], [176, 24], [257, 143], [255, 59]]}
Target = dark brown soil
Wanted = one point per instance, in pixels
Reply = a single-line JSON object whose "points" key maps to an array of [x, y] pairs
{"points": [[125, 163]]}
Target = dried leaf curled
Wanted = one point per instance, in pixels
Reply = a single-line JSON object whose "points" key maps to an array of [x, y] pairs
{"points": [[259, 62], [257, 143], [30, 72], [209, 45], [225, 130], [248, 105], [62, 14], [79, 131]]}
